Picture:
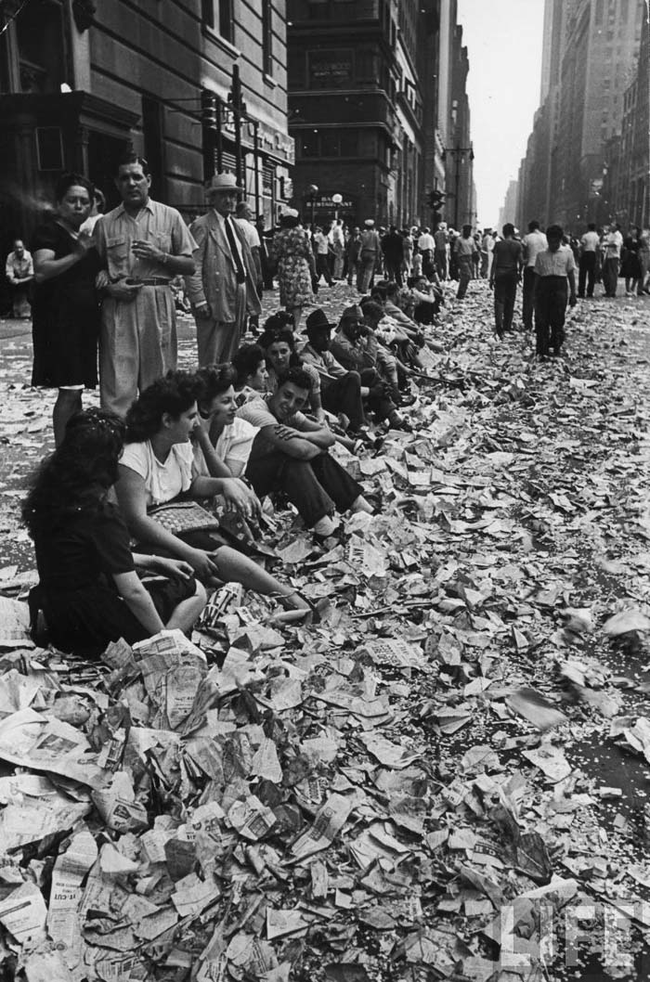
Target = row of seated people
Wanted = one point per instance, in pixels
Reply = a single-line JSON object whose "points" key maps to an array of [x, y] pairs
{"points": [[195, 436]]}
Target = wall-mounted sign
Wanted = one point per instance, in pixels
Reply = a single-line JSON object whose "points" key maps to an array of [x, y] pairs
{"points": [[331, 69]]}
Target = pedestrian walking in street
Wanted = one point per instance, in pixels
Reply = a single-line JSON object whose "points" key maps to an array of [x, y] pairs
{"points": [[407, 253], [392, 246], [533, 242], [554, 269], [337, 247], [589, 245], [426, 248], [89, 589], [19, 270], [65, 312], [630, 266], [464, 250], [321, 246], [611, 245], [505, 275], [294, 260], [223, 287], [142, 245], [352, 250], [369, 255], [441, 252], [644, 261]]}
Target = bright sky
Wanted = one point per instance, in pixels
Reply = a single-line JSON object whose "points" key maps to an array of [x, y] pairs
{"points": [[504, 42]]}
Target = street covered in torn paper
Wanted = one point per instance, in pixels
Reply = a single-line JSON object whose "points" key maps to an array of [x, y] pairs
{"points": [[443, 778]]}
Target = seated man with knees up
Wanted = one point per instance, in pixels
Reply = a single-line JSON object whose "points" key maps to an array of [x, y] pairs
{"points": [[356, 347], [341, 390], [290, 454]]}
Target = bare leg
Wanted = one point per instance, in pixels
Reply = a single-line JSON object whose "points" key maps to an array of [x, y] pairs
{"points": [[187, 612], [297, 314], [235, 568], [68, 402]]}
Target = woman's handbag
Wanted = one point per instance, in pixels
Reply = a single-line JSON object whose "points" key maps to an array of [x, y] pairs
{"points": [[178, 517]]}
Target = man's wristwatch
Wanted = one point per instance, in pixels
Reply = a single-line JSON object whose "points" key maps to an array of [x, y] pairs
{"points": [[164, 259]]}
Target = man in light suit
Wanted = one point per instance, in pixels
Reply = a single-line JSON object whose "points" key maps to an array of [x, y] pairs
{"points": [[222, 290]]}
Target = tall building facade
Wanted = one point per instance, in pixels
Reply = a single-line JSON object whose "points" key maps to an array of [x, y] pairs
{"points": [[590, 59], [376, 89], [86, 81]]}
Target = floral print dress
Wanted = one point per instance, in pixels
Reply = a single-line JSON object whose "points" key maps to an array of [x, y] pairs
{"points": [[293, 255]]}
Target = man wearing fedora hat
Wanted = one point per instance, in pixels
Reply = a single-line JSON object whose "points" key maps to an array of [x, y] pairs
{"points": [[222, 289], [341, 391]]}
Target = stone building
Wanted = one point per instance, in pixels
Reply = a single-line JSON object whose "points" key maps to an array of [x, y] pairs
{"points": [[590, 61], [82, 81], [375, 89]]}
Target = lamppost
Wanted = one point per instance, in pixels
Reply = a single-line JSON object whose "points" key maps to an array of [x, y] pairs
{"points": [[459, 157], [312, 191], [337, 199]]}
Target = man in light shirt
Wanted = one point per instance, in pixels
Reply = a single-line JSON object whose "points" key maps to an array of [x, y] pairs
{"points": [[554, 267], [427, 245], [611, 246], [589, 244], [534, 242]]}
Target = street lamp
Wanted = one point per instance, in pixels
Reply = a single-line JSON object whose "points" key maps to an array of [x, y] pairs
{"points": [[337, 199], [312, 191]]}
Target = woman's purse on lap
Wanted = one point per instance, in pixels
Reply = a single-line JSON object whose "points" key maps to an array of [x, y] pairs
{"points": [[178, 517]]}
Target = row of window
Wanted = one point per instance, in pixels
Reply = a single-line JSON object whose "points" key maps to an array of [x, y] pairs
{"points": [[218, 15]]}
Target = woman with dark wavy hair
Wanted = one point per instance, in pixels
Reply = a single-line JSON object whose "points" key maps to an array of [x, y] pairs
{"points": [[157, 468], [65, 309], [89, 590]]}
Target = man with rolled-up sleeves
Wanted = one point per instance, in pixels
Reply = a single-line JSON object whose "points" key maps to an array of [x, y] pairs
{"points": [[143, 245]]}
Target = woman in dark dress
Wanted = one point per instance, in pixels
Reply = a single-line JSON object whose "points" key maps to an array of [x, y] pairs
{"points": [[631, 265], [88, 588], [65, 310]]}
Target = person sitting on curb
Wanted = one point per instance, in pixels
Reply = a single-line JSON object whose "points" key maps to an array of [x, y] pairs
{"points": [[290, 454], [279, 344], [356, 348], [341, 390], [252, 377]]}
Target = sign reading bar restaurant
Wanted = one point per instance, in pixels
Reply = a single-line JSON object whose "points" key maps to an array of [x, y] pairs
{"points": [[331, 69]]}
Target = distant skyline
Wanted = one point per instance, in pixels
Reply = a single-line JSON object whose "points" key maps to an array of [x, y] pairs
{"points": [[504, 42]]}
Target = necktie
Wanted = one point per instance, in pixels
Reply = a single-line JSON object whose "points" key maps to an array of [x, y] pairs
{"points": [[236, 258]]}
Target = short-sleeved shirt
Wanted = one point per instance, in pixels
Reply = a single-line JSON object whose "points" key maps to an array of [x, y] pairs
{"points": [[590, 241], [233, 446], [156, 223], [257, 413], [465, 247], [558, 263], [535, 242], [162, 481], [76, 555], [323, 362]]}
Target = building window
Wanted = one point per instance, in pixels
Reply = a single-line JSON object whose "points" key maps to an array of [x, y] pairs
{"points": [[226, 25], [328, 143], [267, 37], [218, 15], [207, 12]]}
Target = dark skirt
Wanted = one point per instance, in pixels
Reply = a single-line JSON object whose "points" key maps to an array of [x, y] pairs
{"points": [[84, 622], [65, 344]]}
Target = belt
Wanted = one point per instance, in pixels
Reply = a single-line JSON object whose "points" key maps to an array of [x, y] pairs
{"points": [[151, 281]]}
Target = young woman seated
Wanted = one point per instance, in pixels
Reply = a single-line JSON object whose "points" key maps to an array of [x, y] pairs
{"points": [[157, 467], [222, 441], [89, 590], [252, 378], [279, 344]]}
